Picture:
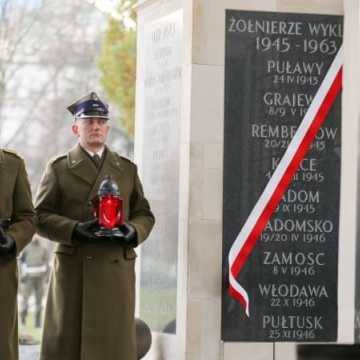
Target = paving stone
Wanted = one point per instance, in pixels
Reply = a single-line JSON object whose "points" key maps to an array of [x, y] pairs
{"points": [[30, 352]]}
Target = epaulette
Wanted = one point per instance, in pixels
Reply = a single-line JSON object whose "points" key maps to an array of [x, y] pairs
{"points": [[125, 159], [11, 152], [57, 158]]}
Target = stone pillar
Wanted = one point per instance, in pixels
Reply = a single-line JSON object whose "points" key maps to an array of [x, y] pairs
{"points": [[157, 152], [200, 169]]}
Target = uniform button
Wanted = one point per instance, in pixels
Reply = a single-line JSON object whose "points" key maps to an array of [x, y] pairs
{"points": [[89, 258]]}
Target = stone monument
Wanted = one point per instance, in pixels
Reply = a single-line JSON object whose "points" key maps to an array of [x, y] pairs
{"points": [[222, 88]]}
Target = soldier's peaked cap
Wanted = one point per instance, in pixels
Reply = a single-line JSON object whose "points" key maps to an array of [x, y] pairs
{"points": [[88, 106]]}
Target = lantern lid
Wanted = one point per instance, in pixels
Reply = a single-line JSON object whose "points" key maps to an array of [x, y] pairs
{"points": [[108, 187]]}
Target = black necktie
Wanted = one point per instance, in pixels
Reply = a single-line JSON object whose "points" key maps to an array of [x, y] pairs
{"points": [[97, 160]]}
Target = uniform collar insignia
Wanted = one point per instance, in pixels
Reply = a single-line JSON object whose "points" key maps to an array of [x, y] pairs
{"points": [[115, 160], [76, 156], [78, 164]]}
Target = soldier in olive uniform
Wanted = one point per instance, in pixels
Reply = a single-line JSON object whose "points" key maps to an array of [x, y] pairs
{"points": [[16, 230], [34, 267], [89, 313]]}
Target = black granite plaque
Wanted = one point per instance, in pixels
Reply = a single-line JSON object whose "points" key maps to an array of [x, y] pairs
{"points": [[275, 63]]}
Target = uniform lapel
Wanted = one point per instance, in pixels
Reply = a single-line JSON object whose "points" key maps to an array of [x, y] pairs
{"points": [[111, 165], [81, 165]]}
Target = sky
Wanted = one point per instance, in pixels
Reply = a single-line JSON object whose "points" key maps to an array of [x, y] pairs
{"points": [[33, 3], [109, 7]]}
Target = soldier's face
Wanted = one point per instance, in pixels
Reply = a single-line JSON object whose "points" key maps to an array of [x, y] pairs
{"points": [[91, 131]]}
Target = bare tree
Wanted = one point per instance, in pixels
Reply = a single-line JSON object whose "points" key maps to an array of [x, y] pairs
{"points": [[52, 48], [17, 19]]}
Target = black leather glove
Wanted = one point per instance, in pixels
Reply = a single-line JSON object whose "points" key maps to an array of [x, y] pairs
{"points": [[7, 245], [130, 235], [84, 231]]}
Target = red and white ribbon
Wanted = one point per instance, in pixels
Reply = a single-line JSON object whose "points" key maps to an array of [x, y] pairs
{"points": [[282, 176]]}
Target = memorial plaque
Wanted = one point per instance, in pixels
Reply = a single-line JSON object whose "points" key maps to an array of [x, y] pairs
{"points": [[160, 111], [274, 66]]}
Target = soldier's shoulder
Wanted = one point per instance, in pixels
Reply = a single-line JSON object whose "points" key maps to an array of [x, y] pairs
{"points": [[125, 160], [58, 159], [12, 155]]}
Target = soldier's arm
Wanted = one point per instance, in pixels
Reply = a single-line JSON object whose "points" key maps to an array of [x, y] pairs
{"points": [[141, 216], [50, 223], [22, 226]]}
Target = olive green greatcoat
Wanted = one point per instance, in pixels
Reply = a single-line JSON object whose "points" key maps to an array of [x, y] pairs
{"points": [[16, 205], [90, 307]]}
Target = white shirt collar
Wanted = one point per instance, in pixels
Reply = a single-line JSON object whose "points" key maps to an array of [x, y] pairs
{"points": [[100, 152]]}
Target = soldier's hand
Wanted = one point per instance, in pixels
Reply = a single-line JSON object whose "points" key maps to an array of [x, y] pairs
{"points": [[84, 231], [130, 235], [7, 245]]}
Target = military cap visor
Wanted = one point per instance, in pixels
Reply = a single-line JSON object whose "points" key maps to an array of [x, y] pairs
{"points": [[89, 106]]}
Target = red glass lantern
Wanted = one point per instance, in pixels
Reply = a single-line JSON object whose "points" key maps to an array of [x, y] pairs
{"points": [[110, 211], [108, 208]]}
